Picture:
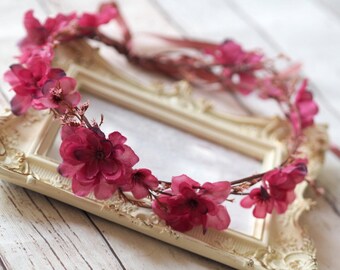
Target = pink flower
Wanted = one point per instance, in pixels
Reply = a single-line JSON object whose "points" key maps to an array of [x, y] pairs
{"points": [[141, 181], [61, 28], [239, 66], [229, 53], [59, 94], [283, 181], [44, 52], [277, 85], [189, 204], [59, 24], [263, 202], [268, 89], [289, 176], [39, 34], [277, 191], [88, 21], [306, 109], [93, 162], [27, 83]]}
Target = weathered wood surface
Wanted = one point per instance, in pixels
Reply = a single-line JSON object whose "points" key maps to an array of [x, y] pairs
{"points": [[39, 233]]}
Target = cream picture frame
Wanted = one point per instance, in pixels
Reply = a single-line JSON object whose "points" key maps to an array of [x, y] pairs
{"points": [[278, 242]]}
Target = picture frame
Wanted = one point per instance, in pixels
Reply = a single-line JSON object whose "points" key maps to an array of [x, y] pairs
{"points": [[278, 242]]}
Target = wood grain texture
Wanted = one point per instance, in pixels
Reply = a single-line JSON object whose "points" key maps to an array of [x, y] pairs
{"points": [[40, 233]]}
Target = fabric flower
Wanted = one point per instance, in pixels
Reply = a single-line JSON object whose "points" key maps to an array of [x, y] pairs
{"points": [[59, 94], [93, 162], [289, 176], [263, 202], [239, 66], [27, 82], [39, 34], [45, 52], [277, 191], [89, 21], [283, 181], [306, 109], [36, 33], [141, 181], [189, 204], [277, 85], [41, 37]]}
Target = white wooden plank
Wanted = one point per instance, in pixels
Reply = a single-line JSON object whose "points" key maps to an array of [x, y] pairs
{"points": [[139, 252], [40, 233], [332, 6]]}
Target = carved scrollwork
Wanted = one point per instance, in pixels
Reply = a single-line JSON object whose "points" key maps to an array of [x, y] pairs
{"points": [[15, 161]]}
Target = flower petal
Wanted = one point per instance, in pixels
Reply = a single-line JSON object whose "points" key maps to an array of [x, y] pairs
{"points": [[260, 210], [81, 190], [67, 84], [220, 221], [139, 191], [218, 191], [178, 180], [247, 202], [104, 190], [20, 104]]}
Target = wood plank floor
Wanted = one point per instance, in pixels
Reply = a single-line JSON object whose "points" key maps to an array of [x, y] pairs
{"points": [[40, 233]]}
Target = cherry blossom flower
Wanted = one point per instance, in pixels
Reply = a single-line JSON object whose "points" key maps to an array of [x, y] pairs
{"points": [[306, 109], [239, 66], [282, 182], [189, 204], [59, 94], [89, 21], [45, 52], [268, 89], [263, 202], [289, 176], [276, 84], [27, 82], [93, 162], [141, 181], [39, 34]]}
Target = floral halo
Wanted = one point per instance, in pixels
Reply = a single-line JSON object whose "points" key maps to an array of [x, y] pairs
{"points": [[104, 164]]}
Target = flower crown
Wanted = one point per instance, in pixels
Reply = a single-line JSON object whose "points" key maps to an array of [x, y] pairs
{"points": [[105, 164]]}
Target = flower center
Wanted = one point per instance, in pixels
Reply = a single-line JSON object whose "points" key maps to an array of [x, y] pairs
{"points": [[57, 94], [264, 194], [137, 177], [56, 99], [100, 155], [193, 203]]}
